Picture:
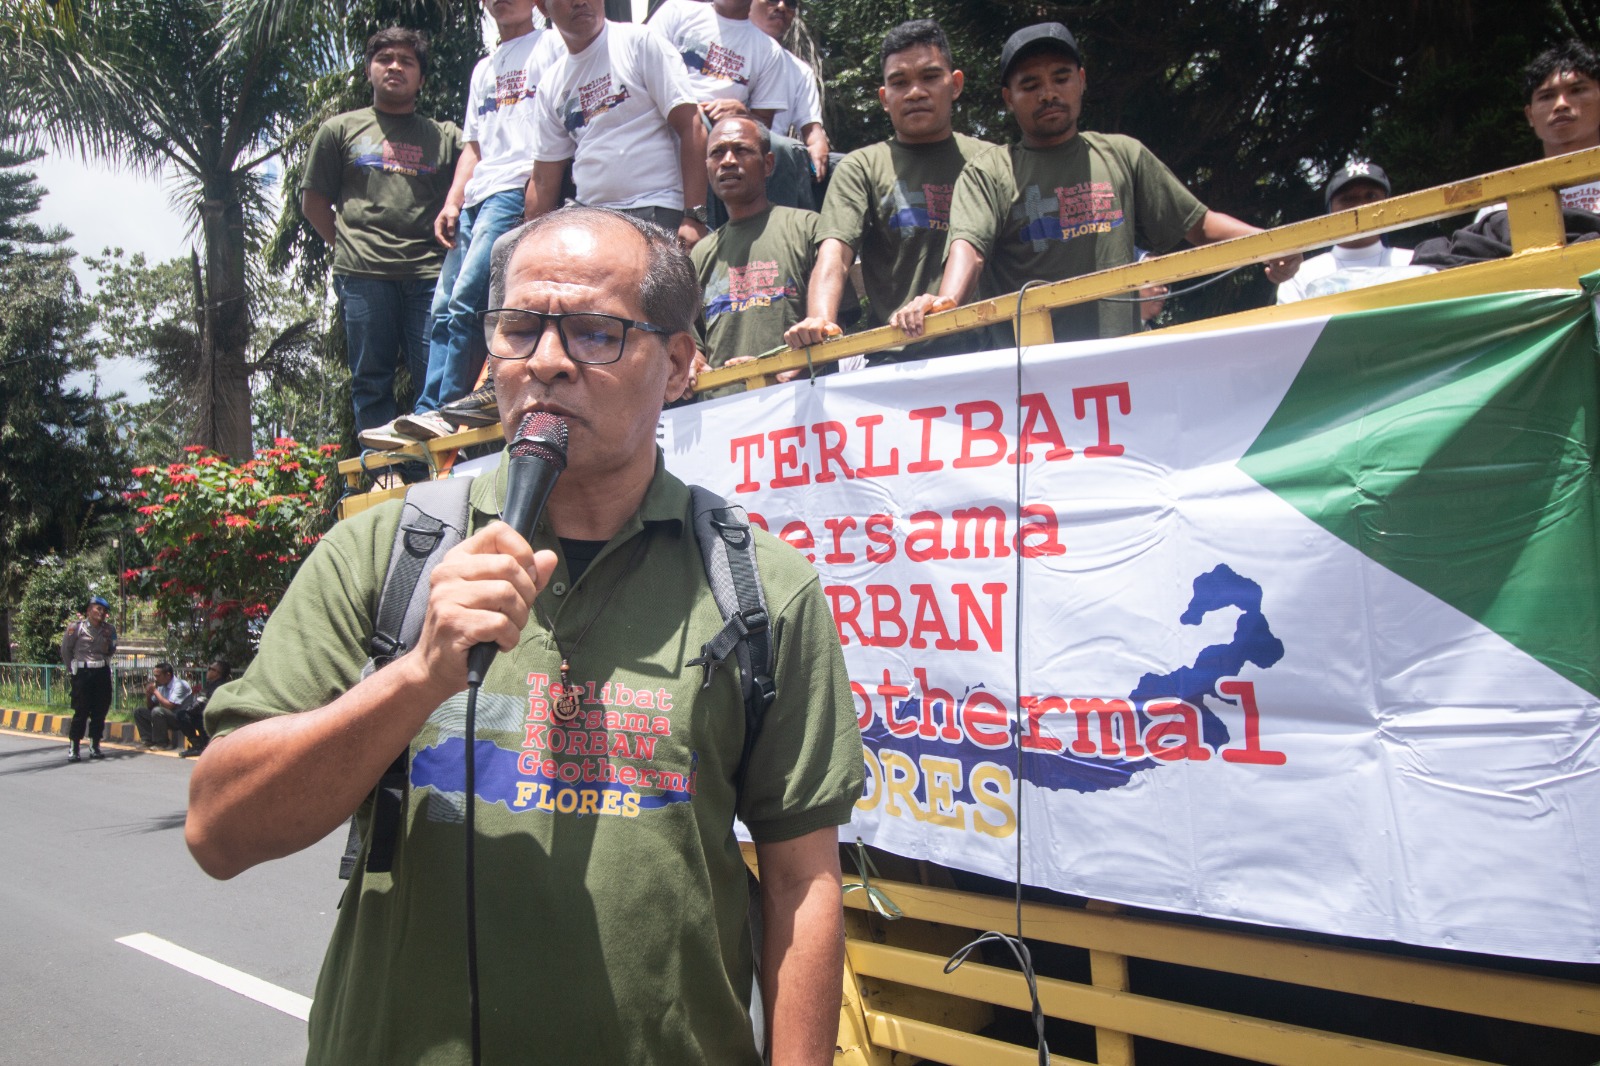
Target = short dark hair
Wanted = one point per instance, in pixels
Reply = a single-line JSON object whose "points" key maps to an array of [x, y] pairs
{"points": [[415, 40], [914, 34], [1572, 57], [670, 294], [165, 668], [224, 667]]}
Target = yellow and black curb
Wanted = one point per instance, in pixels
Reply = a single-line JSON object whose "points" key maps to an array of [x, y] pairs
{"points": [[57, 725]]}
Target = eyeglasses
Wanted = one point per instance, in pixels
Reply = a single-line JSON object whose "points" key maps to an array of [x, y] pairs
{"points": [[587, 336]]}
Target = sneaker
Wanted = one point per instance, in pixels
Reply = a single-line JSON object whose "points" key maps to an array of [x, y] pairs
{"points": [[476, 408], [424, 425], [188, 753], [73, 756], [96, 753], [383, 438]]}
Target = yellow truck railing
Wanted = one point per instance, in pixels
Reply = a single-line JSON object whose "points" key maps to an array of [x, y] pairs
{"points": [[880, 972]]}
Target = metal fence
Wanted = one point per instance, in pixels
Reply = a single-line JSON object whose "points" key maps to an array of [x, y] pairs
{"points": [[49, 686]]}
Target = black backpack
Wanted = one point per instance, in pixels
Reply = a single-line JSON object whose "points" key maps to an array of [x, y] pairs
{"points": [[434, 520]]}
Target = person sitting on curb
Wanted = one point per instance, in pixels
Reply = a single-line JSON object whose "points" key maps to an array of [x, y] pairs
{"points": [[191, 720], [167, 697]]}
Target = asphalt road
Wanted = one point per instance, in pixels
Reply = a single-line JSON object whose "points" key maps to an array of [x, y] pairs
{"points": [[93, 852]]}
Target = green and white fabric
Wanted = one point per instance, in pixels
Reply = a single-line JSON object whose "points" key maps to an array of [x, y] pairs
{"points": [[1294, 624]]}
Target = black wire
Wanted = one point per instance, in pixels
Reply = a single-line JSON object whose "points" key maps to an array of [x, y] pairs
{"points": [[470, 787], [1019, 947], [1019, 951], [1196, 287]]}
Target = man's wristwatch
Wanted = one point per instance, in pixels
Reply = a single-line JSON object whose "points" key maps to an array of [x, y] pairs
{"points": [[698, 214]]}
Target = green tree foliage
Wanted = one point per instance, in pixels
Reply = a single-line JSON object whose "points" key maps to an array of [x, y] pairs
{"points": [[60, 462], [148, 84], [148, 312], [56, 593], [224, 541]]}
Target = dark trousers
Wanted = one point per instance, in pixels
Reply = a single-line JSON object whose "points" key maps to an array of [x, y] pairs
{"points": [[155, 724], [191, 723], [91, 699]]}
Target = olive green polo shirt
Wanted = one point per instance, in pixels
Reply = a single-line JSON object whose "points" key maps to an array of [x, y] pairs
{"points": [[611, 893]]}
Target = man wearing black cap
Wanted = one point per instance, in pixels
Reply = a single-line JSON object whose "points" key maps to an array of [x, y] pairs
{"points": [[1064, 202], [1355, 264]]}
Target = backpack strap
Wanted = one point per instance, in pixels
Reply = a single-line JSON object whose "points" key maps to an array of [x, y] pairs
{"points": [[432, 521], [728, 549]]}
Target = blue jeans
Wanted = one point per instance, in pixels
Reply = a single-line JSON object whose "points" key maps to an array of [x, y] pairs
{"points": [[455, 340], [382, 318]]}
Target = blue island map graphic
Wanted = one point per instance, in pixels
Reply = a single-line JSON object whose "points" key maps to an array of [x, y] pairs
{"points": [[1253, 644]]}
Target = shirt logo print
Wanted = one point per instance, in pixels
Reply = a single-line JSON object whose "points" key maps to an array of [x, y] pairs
{"points": [[714, 61], [590, 102], [1080, 210]]}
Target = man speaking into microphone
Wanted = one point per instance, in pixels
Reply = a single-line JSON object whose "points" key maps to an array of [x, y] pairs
{"points": [[611, 899]]}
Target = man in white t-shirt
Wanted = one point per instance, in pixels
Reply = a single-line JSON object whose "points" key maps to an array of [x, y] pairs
{"points": [[485, 201], [726, 56], [730, 61], [802, 116], [617, 104], [1355, 264]]}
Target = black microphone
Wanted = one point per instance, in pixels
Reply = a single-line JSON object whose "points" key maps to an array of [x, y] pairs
{"points": [[538, 455]]}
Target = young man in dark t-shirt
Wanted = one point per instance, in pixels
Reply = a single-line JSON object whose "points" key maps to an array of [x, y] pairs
{"points": [[375, 180], [890, 202], [1064, 202]]}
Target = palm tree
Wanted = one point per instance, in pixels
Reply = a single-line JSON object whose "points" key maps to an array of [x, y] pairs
{"points": [[150, 85]]}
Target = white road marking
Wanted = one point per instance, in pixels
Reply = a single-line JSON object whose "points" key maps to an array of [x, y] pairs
{"points": [[291, 1003]]}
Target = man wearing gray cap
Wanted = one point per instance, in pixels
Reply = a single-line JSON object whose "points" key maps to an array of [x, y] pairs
{"points": [[1064, 202], [1354, 264]]}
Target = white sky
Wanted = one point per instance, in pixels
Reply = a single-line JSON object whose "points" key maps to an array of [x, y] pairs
{"points": [[107, 209]]}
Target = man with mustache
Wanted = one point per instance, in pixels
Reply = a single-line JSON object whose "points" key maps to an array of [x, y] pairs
{"points": [[1064, 202], [612, 899]]}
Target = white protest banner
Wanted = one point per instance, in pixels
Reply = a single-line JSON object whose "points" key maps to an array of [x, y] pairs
{"points": [[1296, 625]]}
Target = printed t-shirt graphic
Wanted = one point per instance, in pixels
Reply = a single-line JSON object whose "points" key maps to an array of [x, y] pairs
{"points": [[753, 275], [606, 109], [1061, 212], [890, 202], [725, 58], [499, 118], [387, 176]]}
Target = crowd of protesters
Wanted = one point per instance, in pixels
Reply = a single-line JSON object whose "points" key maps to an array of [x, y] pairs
{"points": [[700, 121]]}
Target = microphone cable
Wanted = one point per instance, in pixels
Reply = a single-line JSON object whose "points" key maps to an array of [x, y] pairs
{"points": [[1018, 946], [535, 459], [469, 786]]}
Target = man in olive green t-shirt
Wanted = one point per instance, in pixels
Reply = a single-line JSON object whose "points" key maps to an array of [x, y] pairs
{"points": [[753, 268], [890, 202], [1064, 202], [612, 899], [375, 180]]}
